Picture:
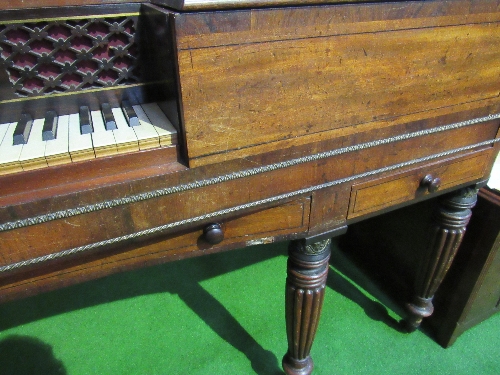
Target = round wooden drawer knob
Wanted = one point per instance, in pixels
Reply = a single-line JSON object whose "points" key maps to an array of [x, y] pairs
{"points": [[213, 233], [431, 183]]}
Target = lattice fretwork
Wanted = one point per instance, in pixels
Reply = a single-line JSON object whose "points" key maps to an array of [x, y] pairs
{"points": [[58, 56]]}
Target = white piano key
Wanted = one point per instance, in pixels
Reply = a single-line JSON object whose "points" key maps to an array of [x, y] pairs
{"points": [[9, 153], [154, 130], [56, 150], [80, 145], [146, 133], [3, 131], [126, 140], [33, 153], [103, 140], [165, 129]]}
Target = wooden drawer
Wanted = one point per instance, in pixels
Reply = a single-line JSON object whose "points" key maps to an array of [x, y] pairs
{"points": [[381, 193], [256, 228], [265, 226]]}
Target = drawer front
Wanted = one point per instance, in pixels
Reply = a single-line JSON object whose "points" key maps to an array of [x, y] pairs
{"points": [[265, 226], [261, 226], [375, 195], [258, 227]]}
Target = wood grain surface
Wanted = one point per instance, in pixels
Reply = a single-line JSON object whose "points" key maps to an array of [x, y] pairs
{"points": [[271, 88]]}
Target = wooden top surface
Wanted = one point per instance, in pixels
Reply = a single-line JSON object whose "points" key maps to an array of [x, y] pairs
{"points": [[188, 5], [193, 5], [256, 80]]}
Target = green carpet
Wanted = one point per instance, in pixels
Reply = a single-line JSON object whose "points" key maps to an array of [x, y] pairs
{"points": [[220, 314]]}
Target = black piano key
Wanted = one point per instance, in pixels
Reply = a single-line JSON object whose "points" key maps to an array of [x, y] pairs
{"points": [[49, 131], [85, 121], [130, 114], [109, 119], [22, 130]]}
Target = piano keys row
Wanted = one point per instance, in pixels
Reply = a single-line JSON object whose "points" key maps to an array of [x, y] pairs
{"points": [[31, 144]]}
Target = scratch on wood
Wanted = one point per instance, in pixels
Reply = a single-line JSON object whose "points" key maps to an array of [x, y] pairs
{"points": [[191, 58], [260, 241], [252, 161], [203, 142]]}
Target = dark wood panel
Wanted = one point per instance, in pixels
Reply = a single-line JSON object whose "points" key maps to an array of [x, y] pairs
{"points": [[471, 291], [14, 10], [210, 29], [55, 181], [39, 5], [329, 208]]}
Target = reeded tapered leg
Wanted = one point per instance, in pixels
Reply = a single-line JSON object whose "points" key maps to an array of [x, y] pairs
{"points": [[450, 222], [305, 289]]}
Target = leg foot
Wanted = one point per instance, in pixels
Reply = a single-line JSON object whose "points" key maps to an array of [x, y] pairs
{"points": [[419, 308], [293, 366], [450, 222]]}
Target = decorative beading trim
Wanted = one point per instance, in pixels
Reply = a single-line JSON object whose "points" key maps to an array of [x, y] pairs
{"points": [[230, 210], [63, 214]]}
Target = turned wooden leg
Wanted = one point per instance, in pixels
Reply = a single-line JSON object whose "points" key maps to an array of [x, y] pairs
{"points": [[449, 223], [305, 289]]}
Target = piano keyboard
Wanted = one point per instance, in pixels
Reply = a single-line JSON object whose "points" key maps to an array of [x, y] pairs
{"points": [[31, 144]]}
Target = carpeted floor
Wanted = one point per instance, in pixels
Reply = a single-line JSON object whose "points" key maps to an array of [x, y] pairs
{"points": [[220, 314]]}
